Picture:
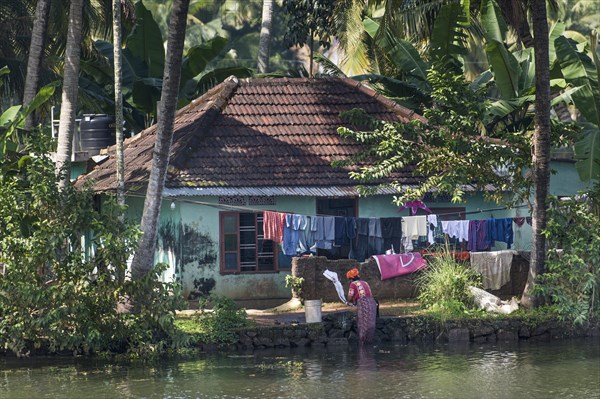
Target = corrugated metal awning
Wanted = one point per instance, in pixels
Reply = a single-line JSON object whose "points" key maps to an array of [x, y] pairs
{"points": [[282, 191], [268, 191]]}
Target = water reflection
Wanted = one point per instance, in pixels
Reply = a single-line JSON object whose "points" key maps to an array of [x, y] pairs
{"points": [[539, 370]]}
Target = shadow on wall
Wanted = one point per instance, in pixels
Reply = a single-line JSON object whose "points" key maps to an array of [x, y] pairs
{"points": [[192, 248]]}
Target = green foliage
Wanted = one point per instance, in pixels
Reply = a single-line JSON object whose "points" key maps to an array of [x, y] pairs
{"points": [[534, 317], [13, 119], [143, 61], [309, 19], [57, 293], [295, 283], [219, 324], [453, 149], [406, 81], [572, 276], [582, 73], [443, 285], [503, 63]]}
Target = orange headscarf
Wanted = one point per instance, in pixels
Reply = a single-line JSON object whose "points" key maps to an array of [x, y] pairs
{"points": [[352, 273]]}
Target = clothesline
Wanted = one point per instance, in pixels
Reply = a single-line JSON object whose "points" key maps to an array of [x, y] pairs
{"points": [[255, 210], [482, 210]]}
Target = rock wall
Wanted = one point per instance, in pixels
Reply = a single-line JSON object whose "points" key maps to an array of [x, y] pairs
{"points": [[316, 286], [340, 329]]}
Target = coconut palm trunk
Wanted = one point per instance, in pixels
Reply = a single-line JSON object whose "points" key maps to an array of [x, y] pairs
{"points": [[144, 257], [34, 60], [541, 149], [117, 51], [264, 42], [68, 107]]}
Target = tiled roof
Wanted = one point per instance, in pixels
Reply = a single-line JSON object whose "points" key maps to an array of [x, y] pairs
{"points": [[257, 133]]}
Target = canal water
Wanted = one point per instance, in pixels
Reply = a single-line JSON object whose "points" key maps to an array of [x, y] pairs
{"points": [[566, 369]]}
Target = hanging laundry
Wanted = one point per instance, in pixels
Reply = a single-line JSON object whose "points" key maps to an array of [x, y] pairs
{"points": [[414, 226], [391, 230], [375, 237], [291, 233], [339, 231], [399, 264], [519, 221], [306, 242], [478, 236], [324, 231], [407, 244], [493, 266], [414, 206], [458, 229], [351, 234], [501, 230], [273, 224], [431, 226], [362, 239]]}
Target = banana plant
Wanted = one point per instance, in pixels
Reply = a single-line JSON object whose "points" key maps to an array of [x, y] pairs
{"points": [[142, 71], [513, 74], [408, 84], [582, 73], [13, 119]]}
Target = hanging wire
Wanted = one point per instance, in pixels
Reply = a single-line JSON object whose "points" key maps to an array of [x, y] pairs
{"points": [[254, 210]]}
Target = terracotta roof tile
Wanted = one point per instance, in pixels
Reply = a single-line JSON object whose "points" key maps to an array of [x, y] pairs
{"points": [[257, 133]]}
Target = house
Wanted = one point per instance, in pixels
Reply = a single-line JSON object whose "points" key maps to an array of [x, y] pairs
{"points": [[252, 145]]}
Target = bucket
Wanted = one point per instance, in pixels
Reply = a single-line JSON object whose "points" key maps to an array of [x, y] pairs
{"points": [[312, 311]]}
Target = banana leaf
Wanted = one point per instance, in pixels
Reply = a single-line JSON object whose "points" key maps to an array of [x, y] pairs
{"points": [[406, 58], [503, 64], [579, 71], [198, 57], [587, 153], [448, 36], [145, 41]]}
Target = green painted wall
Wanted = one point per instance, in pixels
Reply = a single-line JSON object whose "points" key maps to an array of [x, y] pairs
{"points": [[565, 181]]}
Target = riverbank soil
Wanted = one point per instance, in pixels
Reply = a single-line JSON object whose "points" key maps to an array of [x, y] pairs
{"points": [[293, 313]]}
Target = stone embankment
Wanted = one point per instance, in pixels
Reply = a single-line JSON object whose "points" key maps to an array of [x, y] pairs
{"points": [[340, 329]]}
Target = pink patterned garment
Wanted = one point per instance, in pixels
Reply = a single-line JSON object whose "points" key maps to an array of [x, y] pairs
{"points": [[360, 294]]}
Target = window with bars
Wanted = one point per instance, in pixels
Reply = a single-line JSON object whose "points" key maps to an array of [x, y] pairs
{"points": [[243, 248]]}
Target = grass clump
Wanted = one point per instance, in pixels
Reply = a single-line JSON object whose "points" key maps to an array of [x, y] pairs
{"points": [[443, 286], [218, 322]]}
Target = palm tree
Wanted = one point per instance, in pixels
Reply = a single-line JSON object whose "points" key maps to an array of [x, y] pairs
{"points": [[264, 42], [144, 257], [34, 62], [17, 22], [541, 148], [117, 50], [68, 107]]}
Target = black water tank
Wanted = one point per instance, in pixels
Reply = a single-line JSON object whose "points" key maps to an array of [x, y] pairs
{"points": [[97, 132]]}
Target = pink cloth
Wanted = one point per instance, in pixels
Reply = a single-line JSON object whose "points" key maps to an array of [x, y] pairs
{"points": [[414, 206], [399, 264], [273, 223]]}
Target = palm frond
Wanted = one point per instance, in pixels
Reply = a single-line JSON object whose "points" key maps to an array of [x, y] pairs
{"points": [[329, 67], [349, 25]]}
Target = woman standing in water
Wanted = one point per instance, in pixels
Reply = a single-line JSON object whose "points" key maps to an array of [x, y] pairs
{"points": [[360, 295]]}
